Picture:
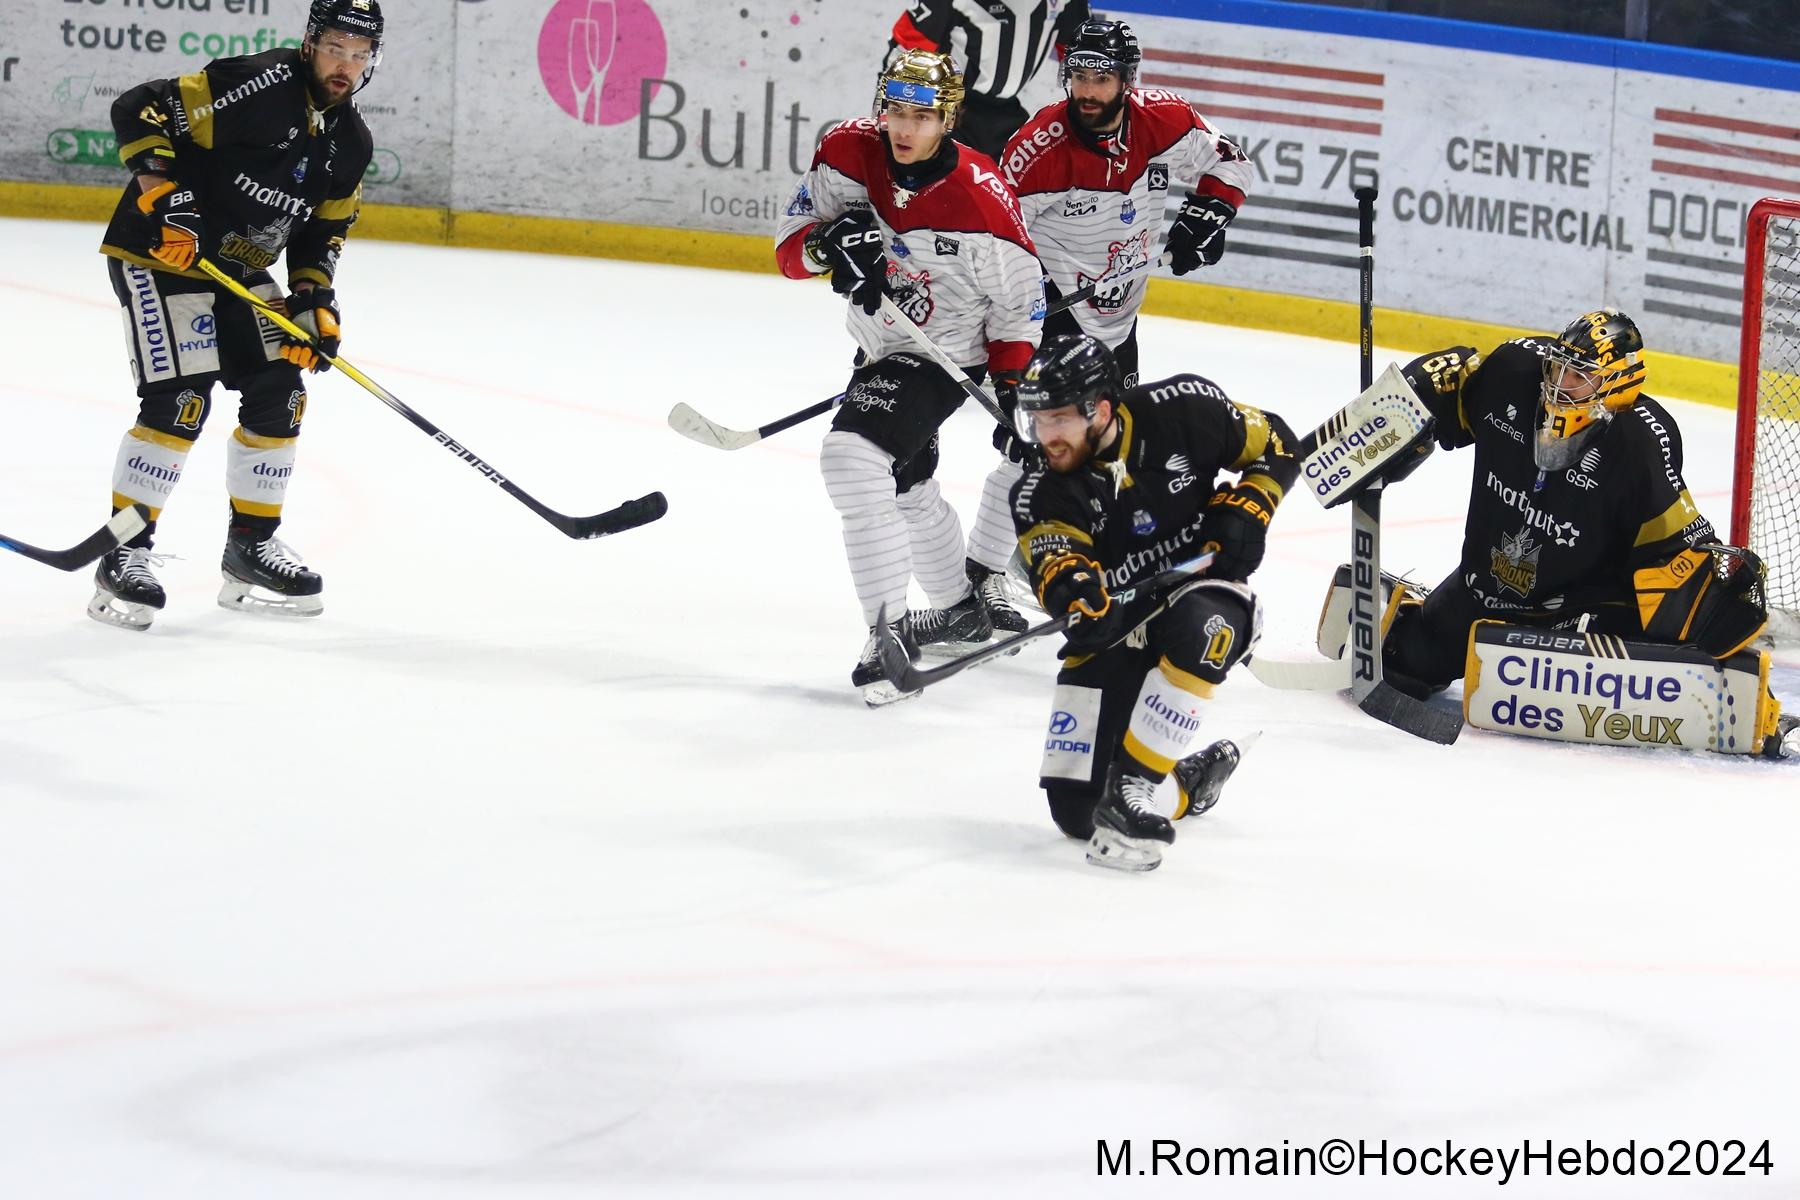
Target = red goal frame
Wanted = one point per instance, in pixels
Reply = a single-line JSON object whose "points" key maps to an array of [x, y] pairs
{"points": [[1750, 357]]}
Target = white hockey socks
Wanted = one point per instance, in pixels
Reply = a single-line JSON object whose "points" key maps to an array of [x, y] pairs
{"points": [[859, 478], [937, 544], [993, 539], [1166, 718], [147, 469], [257, 470]]}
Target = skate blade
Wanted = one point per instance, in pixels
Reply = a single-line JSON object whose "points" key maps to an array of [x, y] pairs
{"points": [[1112, 849], [239, 596], [882, 694], [108, 609]]}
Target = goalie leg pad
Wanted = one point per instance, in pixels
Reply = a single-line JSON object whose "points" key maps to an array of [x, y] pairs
{"points": [[1604, 690], [1334, 614]]}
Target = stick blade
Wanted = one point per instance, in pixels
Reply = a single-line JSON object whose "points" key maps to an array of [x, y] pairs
{"points": [[1316, 675], [895, 664], [1391, 706], [628, 515], [691, 425], [126, 524]]}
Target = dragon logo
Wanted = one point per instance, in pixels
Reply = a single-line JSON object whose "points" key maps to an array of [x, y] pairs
{"points": [[1515, 563]]}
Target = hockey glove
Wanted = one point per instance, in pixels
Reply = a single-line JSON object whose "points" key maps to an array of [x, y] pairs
{"points": [[1234, 529], [316, 312], [175, 212], [850, 249], [1197, 239], [1075, 584]]}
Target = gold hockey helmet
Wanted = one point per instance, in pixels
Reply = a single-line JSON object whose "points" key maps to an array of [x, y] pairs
{"points": [[1593, 370], [924, 79]]}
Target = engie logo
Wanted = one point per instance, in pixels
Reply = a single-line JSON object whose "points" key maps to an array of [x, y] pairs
{"points": [[593, 55]]}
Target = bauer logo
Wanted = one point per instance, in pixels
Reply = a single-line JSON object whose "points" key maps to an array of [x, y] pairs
{"points": [[594, 56], [1062, 724]]}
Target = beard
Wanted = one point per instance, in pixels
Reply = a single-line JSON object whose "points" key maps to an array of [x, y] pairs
{"points": [[1096, 121], [1080, 453]]}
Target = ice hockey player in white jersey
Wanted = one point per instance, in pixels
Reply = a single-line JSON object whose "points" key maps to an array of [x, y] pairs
{"points": [[892, 206]]}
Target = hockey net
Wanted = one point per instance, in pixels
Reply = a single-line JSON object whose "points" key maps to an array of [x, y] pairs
{"points": [[1765, 507]]}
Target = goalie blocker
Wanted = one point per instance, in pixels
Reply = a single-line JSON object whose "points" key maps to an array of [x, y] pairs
{"points": [[1605, 690]]}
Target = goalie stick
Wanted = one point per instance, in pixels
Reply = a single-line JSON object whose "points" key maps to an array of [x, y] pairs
{"points": [[126, 524], [1373, 694], [909, 679], [690, 423], [628, 515]]}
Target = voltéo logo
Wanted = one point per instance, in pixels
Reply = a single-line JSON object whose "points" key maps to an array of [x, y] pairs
{"points": [[594, 54]]}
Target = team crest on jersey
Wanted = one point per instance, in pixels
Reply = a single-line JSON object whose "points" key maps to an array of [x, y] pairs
{"points": [[258, 247], [1142, 523], [911, 293], [1515, 563], [1121, 257], [947, 246], [300, 171], [1159, 177], [1128, 211], [1080, 206], [899, 248], [801, 205]]}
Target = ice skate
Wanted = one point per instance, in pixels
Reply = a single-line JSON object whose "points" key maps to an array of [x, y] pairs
{"points": [[990, 586], [1202, 775], [868, 676], [951, 631], [1129, 834], [266, 576], [126, 593]]}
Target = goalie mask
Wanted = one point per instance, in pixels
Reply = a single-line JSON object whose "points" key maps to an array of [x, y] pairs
{"points": [[1595, 369], [923, 79], [1068, 370]]}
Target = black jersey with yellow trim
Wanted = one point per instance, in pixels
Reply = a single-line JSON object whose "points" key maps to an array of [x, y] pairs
{"points": [[1136, 507], [1570, 538], [273, 172]]}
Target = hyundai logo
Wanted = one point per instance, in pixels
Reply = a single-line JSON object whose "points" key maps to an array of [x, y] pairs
{"points": [[203, 324], [1062, 722]]}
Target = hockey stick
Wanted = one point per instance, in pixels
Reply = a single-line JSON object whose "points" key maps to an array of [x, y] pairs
{"points": [[684, 420], [126, 524], [690, 423], [628, 515], [1311, 675], [923, 341], [1362, 653], [901, 672]]}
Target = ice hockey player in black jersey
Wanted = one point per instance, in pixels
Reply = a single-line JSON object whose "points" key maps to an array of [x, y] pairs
{"points": [[1130, 488], [1578, 513], [237, 163]]}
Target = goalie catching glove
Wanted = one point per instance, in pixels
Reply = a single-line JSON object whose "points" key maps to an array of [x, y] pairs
{"points": [[175, 210], [849, 248], [1708, 596], [316, 312], [1235, 530]]}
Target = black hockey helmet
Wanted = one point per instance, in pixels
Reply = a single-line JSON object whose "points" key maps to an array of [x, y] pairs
{"points": [[1103, 46], [361, 18], [1593, 370], [1069, 369]]}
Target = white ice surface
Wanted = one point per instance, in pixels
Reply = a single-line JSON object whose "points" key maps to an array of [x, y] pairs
{"points": [[545, 868]]}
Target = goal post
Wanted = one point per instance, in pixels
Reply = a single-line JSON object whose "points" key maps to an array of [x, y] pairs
{"points": [[1765, 491]]}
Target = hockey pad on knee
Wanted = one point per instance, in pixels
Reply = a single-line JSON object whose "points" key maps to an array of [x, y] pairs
{"points": [[1397, 595], [1213, 624], [1604, 690]]}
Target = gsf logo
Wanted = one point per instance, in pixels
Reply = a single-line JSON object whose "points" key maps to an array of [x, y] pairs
{"points": [[1586, 483]]}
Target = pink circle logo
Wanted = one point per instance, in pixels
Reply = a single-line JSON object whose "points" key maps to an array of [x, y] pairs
{"points": [[595, 54]]}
